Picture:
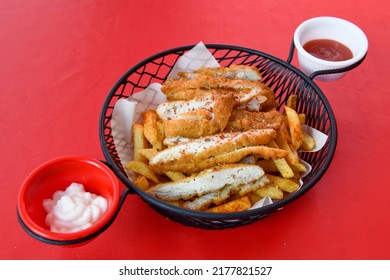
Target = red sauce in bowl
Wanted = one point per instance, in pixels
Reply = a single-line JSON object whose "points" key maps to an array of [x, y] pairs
{"points": [[327, 49]]}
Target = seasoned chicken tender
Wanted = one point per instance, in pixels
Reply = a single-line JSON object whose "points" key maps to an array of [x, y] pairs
{"points": [[242, 96], [228, 158], [190, 128], [244, 72], [217, 197], [219, 105], [270, 101], [207, 82], [241, 120], [207, 181], [182, 88], [196, 117], [191, 154]]}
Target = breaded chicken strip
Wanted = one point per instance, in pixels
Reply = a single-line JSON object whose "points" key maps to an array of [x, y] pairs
{"points": [[207, 181], [234, 156], [241, 120], [243, 96], [184, 156], [196, 117], [208, 82], [203, 202], [244, 72], [172, 86]]}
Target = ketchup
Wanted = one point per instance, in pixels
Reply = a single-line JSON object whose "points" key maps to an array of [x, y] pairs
{"points": [[328, 49]]}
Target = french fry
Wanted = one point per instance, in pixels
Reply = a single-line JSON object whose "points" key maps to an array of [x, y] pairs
{"points": [[175, 176], [308, 143], [283, 167], [284, 132], [142, 168], [292, 101], [148, 153], [142, 182], [302, 118], [281, 163], [239, 204], [253, 197], [299, 168], [139, 141], [297, 175], [267, 165], [284, 184], [292, 157], [150, 126], [295, 127], [159, 146], [271, 191]]}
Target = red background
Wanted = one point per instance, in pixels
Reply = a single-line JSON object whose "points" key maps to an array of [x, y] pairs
{"points": [[59, 59]]}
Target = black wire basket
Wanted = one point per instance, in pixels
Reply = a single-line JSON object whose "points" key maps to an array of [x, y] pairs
{"points": [[277, 74]]}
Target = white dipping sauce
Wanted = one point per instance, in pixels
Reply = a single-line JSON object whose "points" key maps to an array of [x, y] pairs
{"points": [[73, 209]]}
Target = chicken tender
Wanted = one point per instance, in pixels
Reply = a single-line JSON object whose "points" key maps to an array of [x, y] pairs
{"points": [[194, 153], [241, 120], [196, 117], [245, 72], [207, 181]]}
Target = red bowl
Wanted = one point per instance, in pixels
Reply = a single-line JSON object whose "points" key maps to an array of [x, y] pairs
{"points": [[58, 174]]}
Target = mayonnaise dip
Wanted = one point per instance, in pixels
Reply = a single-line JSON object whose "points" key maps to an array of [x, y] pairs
{"points": [[73, 209]]}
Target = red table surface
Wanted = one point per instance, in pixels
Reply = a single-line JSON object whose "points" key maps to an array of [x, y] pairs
{"points": [[59, 59]]}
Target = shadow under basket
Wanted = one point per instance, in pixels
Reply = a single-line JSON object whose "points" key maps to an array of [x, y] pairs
{"points": [[283, 78]]}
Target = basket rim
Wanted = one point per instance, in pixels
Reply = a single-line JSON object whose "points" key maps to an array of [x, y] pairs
{"points": [[332, 139]]}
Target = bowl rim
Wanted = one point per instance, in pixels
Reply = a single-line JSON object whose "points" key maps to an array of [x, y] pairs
{"points": [[45, 234]]}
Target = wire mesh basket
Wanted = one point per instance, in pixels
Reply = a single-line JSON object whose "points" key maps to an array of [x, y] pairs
{"points": [[277, 74]]}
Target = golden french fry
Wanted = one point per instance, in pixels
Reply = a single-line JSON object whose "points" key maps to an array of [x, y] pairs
{"points": [[283, 167], [298, 167], [295, 127], [175, 176], [284, 132], [148, 153], [283, 139], [292, 101], [139, 141], [160, 136], [253, 197], [297, 176], [142, 168], [142, 182], [271, 191], [302, 118], [292, 157], [267, 165], [239, 204], [308, 143], [281, 163], [150, 126], [284, 184]]}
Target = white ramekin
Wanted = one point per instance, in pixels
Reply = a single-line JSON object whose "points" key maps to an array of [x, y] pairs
{"points": [[332, 28]]}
